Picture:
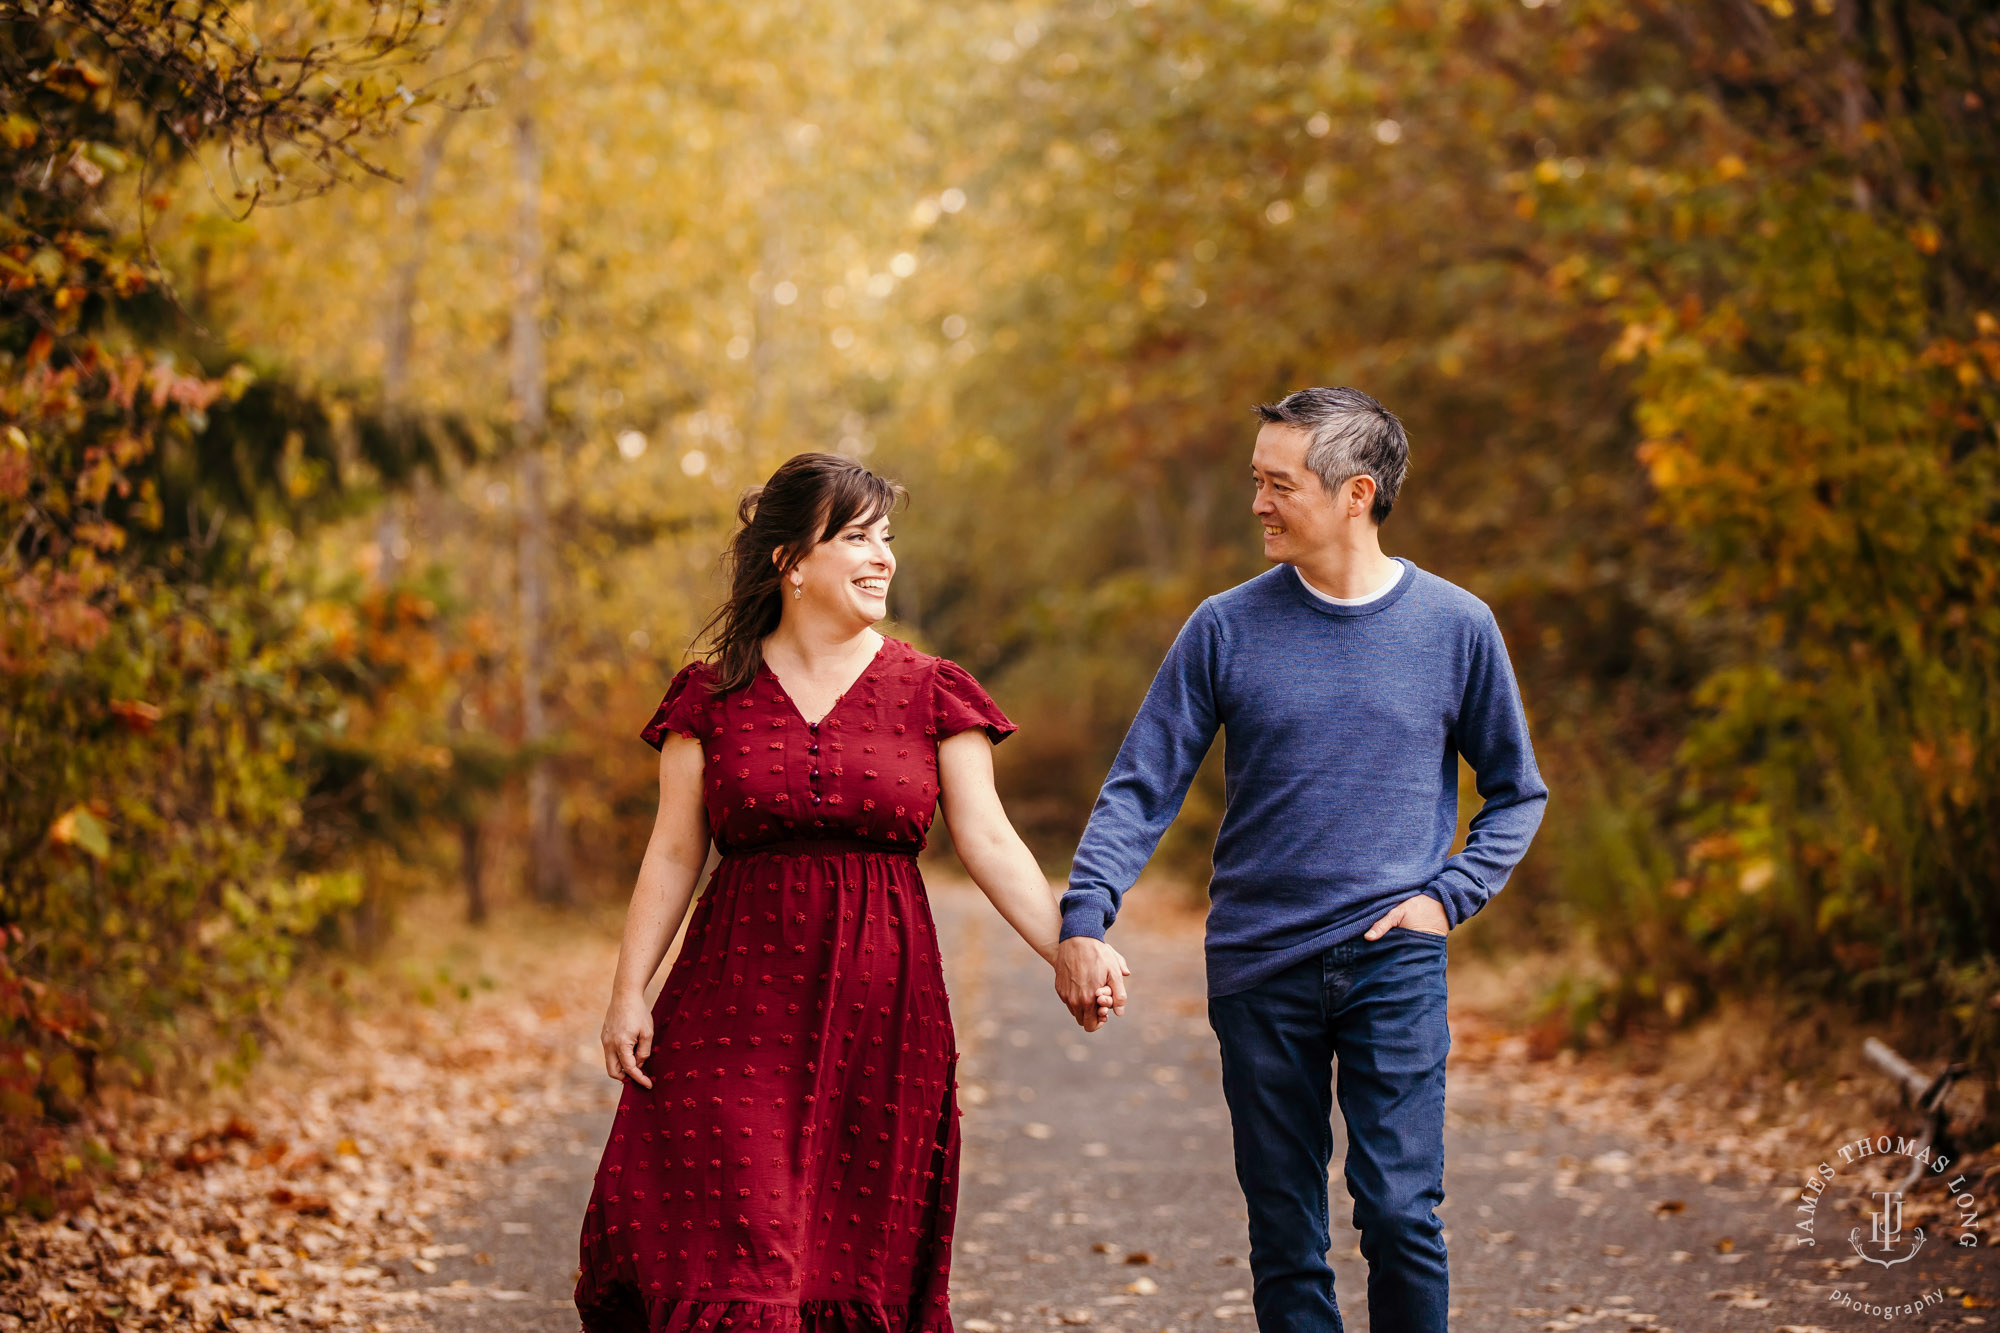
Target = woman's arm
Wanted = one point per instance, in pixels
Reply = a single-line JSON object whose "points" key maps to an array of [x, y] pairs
{"points": [[1001, 864], [674, 857]]}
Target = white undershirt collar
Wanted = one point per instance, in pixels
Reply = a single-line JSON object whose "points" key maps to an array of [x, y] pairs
{"points": [[1363, 600]]}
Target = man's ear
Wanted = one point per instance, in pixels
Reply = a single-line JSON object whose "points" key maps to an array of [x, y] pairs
{"points": [[1360, 495]]}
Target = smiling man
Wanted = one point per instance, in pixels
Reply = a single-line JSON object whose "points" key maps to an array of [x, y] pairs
{"points": [[1348, 685]]}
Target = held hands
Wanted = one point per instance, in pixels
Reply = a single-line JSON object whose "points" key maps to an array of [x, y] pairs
{"points": [[1090, 980], [627, 1038], [1422, 912]]}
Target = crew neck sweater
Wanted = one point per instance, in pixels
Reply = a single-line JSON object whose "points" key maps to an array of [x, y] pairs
{"points": [[1343, 728]]}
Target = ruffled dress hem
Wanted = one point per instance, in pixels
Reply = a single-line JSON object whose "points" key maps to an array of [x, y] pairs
{"points": [[676, 1314]]}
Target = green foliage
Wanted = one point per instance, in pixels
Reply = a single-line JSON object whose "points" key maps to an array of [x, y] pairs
{"points": [[1813, 438], [1809, 301], [178, 709]]}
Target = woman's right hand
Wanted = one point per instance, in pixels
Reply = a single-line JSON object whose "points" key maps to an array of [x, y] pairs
{"points": [[627, 1038], [674, 856]]}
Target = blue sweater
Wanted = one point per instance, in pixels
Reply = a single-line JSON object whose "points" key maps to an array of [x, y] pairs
{"points": [[1344, 727]]}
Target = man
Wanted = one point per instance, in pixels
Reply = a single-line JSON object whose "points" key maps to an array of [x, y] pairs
{"points": [[1348, 684]]}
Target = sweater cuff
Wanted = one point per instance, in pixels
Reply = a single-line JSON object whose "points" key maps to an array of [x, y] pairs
{"points": [[1458, 893], [1083, 917]]}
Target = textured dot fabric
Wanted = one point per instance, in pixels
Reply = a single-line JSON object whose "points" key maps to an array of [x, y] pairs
{"points": [[794, 1167]]}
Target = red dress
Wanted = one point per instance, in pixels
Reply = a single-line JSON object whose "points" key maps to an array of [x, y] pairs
{"points": [[794, 1167]]}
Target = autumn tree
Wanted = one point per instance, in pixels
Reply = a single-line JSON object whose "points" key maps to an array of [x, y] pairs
{"points": [[171, 705]]}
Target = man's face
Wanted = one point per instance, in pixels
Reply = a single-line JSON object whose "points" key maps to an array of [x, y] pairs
{"points": [[1298, 515]]}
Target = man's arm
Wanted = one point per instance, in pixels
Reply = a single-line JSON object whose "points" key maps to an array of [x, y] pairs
{"points": [[1148, 781], [1492, 734]]}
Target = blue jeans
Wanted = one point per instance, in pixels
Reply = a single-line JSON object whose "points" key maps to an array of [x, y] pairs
{"points": [[1378, 1006]]}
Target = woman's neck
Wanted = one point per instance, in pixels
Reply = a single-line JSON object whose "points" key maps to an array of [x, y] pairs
{"points": [[815, 645]]}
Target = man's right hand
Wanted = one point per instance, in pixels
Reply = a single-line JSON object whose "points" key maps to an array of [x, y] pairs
{"points": [[1090, 979]]}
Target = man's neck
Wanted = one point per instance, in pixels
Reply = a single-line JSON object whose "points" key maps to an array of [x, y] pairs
{"points": [[1348, 571]]}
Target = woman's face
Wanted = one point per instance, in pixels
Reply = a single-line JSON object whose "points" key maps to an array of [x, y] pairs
{"points": [[846, 576]]}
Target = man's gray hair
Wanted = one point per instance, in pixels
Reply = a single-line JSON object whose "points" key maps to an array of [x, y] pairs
{"points": [[1348, 434]]}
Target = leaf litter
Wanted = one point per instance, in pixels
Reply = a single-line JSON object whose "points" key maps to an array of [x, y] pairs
{"points": [[312, 1196]]}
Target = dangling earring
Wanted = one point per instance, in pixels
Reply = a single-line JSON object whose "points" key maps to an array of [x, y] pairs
{"points": [[797, 592]]}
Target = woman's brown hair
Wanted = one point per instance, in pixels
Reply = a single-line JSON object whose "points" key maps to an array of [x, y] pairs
{"points": [[808, 500]]}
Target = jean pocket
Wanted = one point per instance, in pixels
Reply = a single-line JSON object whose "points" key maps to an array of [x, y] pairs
{"points": [[1427, 934]]}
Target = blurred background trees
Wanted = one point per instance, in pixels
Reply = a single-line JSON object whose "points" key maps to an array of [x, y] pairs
{"points": [[1689, 306]]}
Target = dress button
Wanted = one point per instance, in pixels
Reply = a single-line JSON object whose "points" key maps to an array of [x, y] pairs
{"points": [[815, 798], [815, 775], [812, 749]]}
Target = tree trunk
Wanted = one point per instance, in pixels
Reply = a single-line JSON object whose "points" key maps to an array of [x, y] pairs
{"points": [[548, 860], [398, 320], [470, 864]]}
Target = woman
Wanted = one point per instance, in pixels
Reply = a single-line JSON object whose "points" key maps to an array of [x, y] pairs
{"points": [[785, 1153]]}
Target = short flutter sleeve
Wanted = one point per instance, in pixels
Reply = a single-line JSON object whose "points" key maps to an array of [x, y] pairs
{"points": [[685, 709], [959, 704]]}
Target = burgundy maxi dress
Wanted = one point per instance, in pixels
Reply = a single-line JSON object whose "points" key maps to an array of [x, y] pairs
{"points": [[794, 1167]]}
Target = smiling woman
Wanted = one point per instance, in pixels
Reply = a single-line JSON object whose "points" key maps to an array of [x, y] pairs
{"points": [[785, 1154], [787, 537]]}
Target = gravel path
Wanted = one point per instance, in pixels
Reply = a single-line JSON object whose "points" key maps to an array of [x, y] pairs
{"points": [[1097, 1190]]}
